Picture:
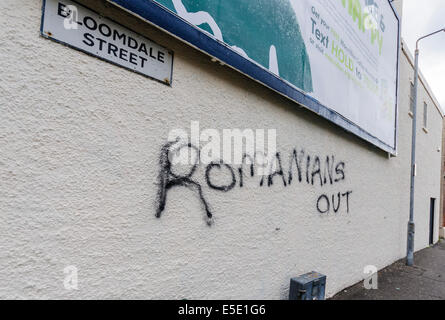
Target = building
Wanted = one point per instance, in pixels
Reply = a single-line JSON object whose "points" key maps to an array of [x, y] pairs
{"points": [[427, 106], [83, 142], [442, 220]]}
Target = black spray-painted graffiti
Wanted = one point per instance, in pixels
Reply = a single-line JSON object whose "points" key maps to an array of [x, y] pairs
{"points": [[168, 179], [304, 168]]}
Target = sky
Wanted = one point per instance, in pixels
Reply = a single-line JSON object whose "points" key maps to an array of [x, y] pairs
{"points": [[421, 17]]}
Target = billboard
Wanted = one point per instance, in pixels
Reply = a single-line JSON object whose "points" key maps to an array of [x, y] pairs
{"points": [[338, 58]]}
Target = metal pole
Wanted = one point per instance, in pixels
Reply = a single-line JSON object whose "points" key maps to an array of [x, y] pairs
{"points": [[411, 226]]}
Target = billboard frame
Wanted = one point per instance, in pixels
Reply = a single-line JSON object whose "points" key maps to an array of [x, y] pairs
{"points": [[168, 21]]}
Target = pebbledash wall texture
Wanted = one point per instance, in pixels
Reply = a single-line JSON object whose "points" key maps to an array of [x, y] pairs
{"points": [[81, 142]]}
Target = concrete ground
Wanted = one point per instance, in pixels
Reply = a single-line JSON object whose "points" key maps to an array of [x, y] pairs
{"points": [[424, 281]]}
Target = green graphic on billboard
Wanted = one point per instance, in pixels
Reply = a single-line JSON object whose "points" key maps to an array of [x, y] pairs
{"points": [[338, 58], [265, 31]]}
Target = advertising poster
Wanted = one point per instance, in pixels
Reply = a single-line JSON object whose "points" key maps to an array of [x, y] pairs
{"points": [[338, 58]]}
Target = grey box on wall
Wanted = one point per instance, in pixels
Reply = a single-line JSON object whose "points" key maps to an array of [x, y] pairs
{"points": [[310, 286]]}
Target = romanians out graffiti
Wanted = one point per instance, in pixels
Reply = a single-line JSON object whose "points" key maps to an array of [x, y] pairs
{"points": [[264, 31], [296, 166]]}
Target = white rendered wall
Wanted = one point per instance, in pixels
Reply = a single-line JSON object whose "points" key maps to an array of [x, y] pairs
{"points": [[80, 141]]}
